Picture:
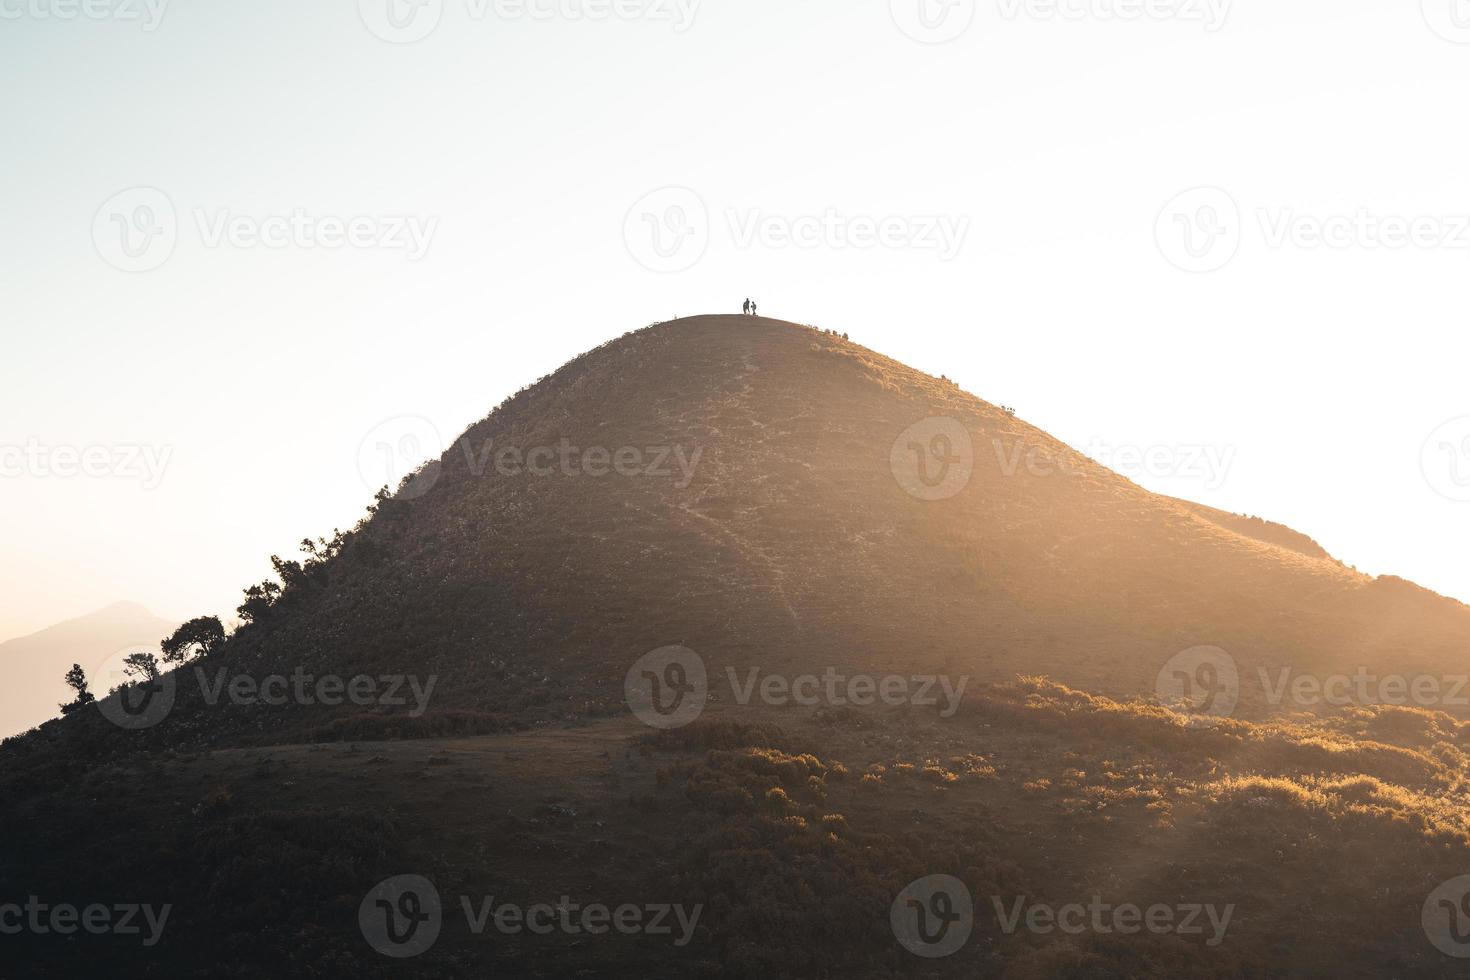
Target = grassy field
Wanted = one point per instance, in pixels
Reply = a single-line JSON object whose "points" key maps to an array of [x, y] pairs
{"points": [[792, 830]]}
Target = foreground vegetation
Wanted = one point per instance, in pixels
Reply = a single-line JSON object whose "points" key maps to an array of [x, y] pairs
{"points": [[792, 831]]}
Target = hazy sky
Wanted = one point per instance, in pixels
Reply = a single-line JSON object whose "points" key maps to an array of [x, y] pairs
{"points": [[240, 238]]}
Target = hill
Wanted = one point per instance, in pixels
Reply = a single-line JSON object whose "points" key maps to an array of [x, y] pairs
{"points": [[771, 513], [628, 619]]}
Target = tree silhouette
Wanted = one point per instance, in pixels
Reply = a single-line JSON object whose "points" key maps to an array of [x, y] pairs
{"points": [[198, 637], [76, 679], [143, 666], [258, 601]]}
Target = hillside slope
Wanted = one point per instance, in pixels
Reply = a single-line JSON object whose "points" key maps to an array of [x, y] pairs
{"points": [[773, 515]]}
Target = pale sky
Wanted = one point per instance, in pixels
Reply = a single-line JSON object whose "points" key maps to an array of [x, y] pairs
{"points": [[1035, 176]]}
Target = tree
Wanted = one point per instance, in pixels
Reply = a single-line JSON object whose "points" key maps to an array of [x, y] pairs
{"points": [[258, 601], [200, 636], [143, 666], [76, 679]]}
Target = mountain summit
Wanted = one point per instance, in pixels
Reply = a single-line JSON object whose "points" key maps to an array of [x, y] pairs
{"points": [[769, 494]]}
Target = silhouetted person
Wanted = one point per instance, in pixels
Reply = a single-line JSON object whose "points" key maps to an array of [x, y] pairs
{"points": [[746, 308], [752, 310]]}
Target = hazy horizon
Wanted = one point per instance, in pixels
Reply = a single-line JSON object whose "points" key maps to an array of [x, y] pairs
{"points": [[1047, 249]]}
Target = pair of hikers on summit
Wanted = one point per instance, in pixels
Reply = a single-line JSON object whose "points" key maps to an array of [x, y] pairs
{"points": [[749, 308]]}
